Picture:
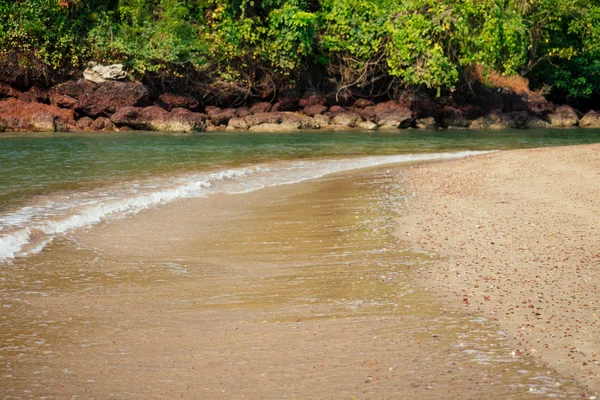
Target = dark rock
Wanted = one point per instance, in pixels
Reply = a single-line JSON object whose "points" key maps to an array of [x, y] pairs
{"points": [[34, 95], [392, 115], [102, 124], [157, 119], [62, 101], [218, 116], [339, 98], [563, 117], [169, 101], [287, 100], [421, 104], [311, 101], [334, 110], [535, 122], [8, 91], [284, 106], [538, 105], [242, 112], [590, 120], [314, 110], [74, 88], [26, 116], [495, 121], [348, 119], [454, 117], [112, 95], [369, 114], [511, 120], [261, 107]]}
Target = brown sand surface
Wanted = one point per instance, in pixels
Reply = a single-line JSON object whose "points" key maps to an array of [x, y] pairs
{"points": [[518, 236], [298, 291]]}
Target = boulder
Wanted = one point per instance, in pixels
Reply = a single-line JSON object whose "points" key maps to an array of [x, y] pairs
{"points": [[62, 101], [311, 111], [99, 73], [392, 115], [263, 118], [237, 123], [242, 112], [83, 124], [112, 95], [157, 119], [299, 120], [511, 120], [454, 117], [563, 117], [535, 122], [311, 101], [34, 95], [369, 114], [334, 110], [25, 116], [288, 120], [273, 128], [102, 124], [322, 121], [367, 125], [74, 89], [496, 121], [426, 123], [8, 91], [590, 120], [169, 101], [261, 107], [348, 119], [218, 116]]}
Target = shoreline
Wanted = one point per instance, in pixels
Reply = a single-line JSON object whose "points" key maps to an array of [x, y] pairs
{"points": [[116, 106], [516, 234], [280, 292]]}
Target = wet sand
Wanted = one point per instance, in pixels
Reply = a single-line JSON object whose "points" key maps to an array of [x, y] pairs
{"points": [[517, 234], [296, 291]]}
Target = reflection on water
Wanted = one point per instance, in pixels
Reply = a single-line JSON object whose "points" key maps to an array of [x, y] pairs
{"points": [[239, 280]]}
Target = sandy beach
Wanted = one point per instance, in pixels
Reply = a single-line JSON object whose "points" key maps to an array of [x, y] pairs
{"points": [[517, 234], [294, 291]]}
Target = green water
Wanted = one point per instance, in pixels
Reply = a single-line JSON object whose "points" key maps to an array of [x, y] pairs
{"points": [[40, 164]]}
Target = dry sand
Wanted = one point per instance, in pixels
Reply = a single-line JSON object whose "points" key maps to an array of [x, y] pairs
{"points": [[518, 236]]}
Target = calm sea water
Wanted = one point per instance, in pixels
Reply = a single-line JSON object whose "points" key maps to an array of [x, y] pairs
{"points": [[54, 183]]}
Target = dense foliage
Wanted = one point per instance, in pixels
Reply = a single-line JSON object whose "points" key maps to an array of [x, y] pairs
{"points": [[356, 45]]}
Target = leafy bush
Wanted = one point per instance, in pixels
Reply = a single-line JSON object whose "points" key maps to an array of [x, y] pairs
{"points": [[354, 43]]}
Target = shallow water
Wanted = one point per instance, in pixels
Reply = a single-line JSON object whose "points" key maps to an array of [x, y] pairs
{"points": [[52, 184], [138, 266], [293, 292]]}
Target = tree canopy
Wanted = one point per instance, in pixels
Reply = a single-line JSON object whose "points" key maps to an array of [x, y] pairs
{"points": [[356, 45]]}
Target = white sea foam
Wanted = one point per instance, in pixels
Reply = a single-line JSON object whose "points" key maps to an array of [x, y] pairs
{"points": [[29, 229]]}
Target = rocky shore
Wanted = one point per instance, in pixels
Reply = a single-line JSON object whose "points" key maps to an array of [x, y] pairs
{"points": [[120, 106]]}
